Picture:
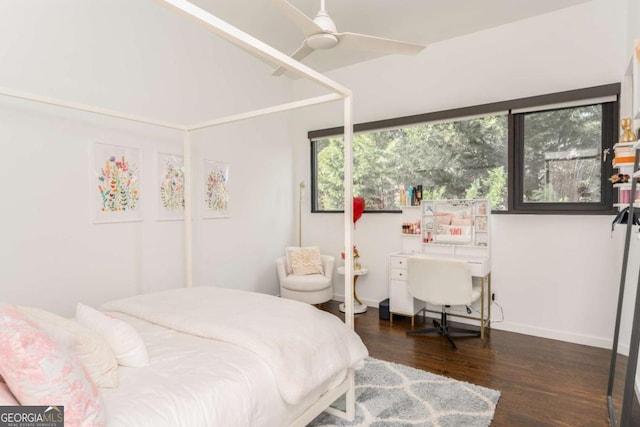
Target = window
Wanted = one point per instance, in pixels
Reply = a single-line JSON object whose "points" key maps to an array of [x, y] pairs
{"points": [[542, 155], [562, 167], [457, 159]]}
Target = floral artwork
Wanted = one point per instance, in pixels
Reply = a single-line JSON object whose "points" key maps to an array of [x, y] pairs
{"points": [[116, 187], [170, 186], [216, 191]]}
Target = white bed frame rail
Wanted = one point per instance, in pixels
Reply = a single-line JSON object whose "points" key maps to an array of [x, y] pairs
{"points": [[337, 92]]}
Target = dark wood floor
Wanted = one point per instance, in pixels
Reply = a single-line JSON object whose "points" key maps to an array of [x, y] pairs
{"points": [[543, 382]]}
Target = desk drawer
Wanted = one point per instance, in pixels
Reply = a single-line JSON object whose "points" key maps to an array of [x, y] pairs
{"points": [[398, 274], [398, 262]]}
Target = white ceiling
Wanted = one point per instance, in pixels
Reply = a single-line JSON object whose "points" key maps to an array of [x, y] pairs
{"points": [[418, 21]]}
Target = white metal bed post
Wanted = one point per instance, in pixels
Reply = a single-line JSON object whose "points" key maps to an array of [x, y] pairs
{"points": [[348, 241], [348, 212], [188, 217]]}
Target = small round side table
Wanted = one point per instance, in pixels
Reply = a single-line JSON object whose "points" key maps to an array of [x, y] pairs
{"points": [[358, 306]]}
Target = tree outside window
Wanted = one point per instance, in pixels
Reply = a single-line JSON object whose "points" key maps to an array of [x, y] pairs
{"points": [[562, 156], [457, 159]]}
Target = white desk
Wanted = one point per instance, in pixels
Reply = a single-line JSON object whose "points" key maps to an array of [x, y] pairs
{"points": [[402, 303], [358, 306]]}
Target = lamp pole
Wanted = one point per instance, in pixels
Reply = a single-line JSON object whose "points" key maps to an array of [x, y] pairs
{"points": [[301, 193]]}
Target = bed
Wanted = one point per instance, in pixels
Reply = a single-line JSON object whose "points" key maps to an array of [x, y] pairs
{"points": [[228, 357], [206, 357], [139, 393]]}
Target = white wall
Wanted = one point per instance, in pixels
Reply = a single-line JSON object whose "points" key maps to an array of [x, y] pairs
{"points": [[555, 276], [52, 255], [139, 58], [240, 252]]}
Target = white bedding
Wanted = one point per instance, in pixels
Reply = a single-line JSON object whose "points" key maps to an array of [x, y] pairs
{"points": [[196, 382], [248, 358]]}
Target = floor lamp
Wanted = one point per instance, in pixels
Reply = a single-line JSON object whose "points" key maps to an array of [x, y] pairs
{"points": [[301, 193]]}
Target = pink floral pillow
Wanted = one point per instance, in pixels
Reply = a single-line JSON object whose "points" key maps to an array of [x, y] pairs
{"points": [[6, 397], [40, 371]]}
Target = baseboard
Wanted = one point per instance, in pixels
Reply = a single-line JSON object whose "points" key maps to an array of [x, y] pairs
{"points": [[367, 302], [553, 334]]}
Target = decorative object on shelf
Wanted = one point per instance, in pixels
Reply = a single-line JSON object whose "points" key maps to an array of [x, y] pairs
{"points": [[116, 189], [356, 258], [411, 228], [481, 223], [624, 154], [482, 209], [627, 133], [619, 178], [411, 197], [403, 195]]}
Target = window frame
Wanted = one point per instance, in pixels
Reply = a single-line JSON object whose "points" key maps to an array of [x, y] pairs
{"points": [[517, 205], [515, 144]]}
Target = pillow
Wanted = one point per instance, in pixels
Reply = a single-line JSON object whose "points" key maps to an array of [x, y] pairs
{"points": [[88, 346], [287, 263], [6, 397], [305, 260], [39, 371], [124, 340]]}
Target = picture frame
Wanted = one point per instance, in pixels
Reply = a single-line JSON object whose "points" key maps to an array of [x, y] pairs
{"points": [[215, 194], [169, 187], [115, 180]]}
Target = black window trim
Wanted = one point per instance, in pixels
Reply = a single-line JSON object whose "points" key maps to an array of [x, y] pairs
{"points": [[514, 145]]}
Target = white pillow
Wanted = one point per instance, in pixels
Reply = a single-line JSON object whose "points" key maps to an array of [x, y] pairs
{"points": [[304, 261], [88, 346], [124, 340], [40, 371]]}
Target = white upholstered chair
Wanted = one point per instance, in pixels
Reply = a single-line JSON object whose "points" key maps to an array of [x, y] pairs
{"points": [[309, 288], [443, 282]]}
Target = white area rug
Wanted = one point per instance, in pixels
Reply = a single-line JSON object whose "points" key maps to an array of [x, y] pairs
{"points": [[393, 395]]}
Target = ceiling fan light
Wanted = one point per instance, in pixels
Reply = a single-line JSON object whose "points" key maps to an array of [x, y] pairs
{"points": [[322, 41]]}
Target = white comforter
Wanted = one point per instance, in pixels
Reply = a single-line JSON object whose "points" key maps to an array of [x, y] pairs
{"points": [[305, 348], [195, 382]]}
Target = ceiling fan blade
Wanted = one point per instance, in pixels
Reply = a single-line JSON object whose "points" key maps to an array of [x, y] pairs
{"points": [[303, 51], [305, 23], [377, 44]]}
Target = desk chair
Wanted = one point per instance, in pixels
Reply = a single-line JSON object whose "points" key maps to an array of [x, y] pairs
{"points": [[442, 282]]}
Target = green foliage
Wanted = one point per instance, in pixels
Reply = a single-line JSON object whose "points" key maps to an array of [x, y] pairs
{"points": [[450, 160], [468, 159], [561, 155]]}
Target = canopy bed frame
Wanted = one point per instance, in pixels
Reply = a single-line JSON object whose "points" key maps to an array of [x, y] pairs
{"points": [[337, 92]]}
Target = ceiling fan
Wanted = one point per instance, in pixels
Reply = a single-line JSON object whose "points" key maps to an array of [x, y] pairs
{"points": [[321, 33]]}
